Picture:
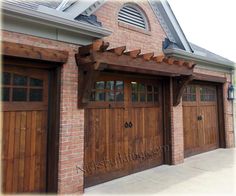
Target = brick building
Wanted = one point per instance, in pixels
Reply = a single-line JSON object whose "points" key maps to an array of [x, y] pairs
{"points": [[96, 90]]}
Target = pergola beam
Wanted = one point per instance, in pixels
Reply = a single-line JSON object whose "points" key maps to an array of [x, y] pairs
{"points": [[95, 57]]}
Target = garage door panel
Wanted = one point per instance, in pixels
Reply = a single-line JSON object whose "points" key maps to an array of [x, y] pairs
{"points": [[25, 131], [126, 137], [209, 125], [200, 119], [190, 128]]}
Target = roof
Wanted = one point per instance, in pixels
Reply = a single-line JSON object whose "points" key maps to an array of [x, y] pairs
{"points": [[26, 17], [206, 53], [82, 11], [177, 41], [61, 6], [169, 23], [34, 4]]}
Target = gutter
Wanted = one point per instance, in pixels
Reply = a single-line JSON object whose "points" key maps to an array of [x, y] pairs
{"points": [[198, 59], [54, 21]]}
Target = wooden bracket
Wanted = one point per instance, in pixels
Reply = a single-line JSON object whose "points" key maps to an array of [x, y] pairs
{"points": [[87, 76], [179, 83]]}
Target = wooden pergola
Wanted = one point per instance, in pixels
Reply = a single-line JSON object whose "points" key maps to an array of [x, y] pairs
{"points": [[96, 57]]}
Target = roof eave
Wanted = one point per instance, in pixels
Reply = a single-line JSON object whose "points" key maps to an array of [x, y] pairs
{"points": [[55, 21], [201, 60]]}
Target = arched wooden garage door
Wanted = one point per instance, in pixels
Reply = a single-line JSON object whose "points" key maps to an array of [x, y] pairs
{"points": [[200, 116], [25, 122], [123, 128]]}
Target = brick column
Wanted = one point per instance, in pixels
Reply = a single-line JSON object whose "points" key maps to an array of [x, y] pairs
{"points": [[177, 135], [71, 143], [228, 117]]}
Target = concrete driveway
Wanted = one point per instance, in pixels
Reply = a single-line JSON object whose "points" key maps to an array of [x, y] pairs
{"points": [[208, 173]]}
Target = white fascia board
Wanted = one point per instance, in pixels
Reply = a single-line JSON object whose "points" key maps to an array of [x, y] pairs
{"points": [[53, 12], [176, 25], [55, 21], [201, 60]]}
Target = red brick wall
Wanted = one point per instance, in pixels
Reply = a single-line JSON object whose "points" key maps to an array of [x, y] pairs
{"points": [[131, 37], [72, 119]]}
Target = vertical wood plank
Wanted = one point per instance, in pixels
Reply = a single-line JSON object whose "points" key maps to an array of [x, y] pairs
{"points": [[33, 151], [16, 152], [22, 152], [10, 162], [27, 171], [5, 147], [43, 155], [38, 149]]}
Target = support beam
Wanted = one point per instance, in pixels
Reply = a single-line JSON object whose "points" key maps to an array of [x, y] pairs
{"points": [[98, 45], [94, 58], [203, 77], [126, 63], [33, 52]]}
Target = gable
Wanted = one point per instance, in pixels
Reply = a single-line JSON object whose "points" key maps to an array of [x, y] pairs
{"points": [[125, 34]]}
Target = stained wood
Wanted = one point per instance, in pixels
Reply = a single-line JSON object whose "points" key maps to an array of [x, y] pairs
{"points": [[118, 51], [133, 53], [33, 52], [107, 139], [127, 63], [25, 135], [203, 77], [147, 56], [179, 83], [200, 135]]}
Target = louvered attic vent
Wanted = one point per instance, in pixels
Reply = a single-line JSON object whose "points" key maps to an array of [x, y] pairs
{"points": [[133, 16]]}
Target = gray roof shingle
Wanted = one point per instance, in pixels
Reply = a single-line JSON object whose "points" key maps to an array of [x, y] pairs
{"points": [[33, 4], [206, 53]]}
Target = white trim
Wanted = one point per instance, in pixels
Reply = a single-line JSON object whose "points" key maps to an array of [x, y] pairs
{"points": [[62, 4], [200, 60], [55, 21]]}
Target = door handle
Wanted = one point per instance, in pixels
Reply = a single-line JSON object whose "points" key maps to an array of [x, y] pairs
{"points": [[128, 125], [200, 117]]}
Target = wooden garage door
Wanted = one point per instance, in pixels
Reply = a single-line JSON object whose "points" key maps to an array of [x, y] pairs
{"points": [[25, 108], [200, 116], [123, 129]]}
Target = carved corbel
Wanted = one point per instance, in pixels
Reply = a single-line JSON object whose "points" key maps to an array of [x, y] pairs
{"points": [[179, 83], [87, 76]]}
